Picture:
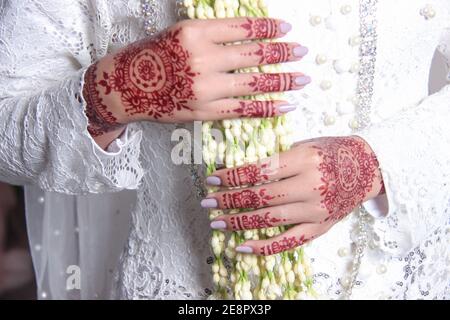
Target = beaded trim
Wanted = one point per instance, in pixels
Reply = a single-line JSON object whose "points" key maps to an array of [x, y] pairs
{"points": [[150, 12], [368, 54]]}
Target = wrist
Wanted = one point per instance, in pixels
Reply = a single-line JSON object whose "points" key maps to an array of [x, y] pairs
{"points": [[377, 182], [103, 112]]}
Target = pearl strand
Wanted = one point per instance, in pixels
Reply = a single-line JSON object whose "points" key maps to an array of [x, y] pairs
{"points": [[151, 13], [368, 51]]}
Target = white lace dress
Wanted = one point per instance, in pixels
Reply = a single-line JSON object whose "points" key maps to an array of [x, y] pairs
{"points": [[45, 47]]}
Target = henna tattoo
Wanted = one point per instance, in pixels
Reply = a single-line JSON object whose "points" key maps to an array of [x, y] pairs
{"points": [[255, 221], [246, 199], [273, 53], [259, 109], [101, 120], [283, 245], [152, 77], [348, 172], [250, 174], [261, 28], [272, 82]]}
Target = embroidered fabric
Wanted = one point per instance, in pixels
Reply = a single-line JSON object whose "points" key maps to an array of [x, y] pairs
{"points": [[45, 141]]}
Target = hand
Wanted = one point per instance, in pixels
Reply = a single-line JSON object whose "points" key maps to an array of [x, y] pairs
{"points": [[183, 75], [314, 185]]}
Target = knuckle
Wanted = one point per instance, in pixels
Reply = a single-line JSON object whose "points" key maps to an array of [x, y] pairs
{"points": [[313, 156], [188, 32]]}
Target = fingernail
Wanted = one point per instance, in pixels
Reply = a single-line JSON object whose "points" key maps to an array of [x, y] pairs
{"points": [[300, 51], [244, 249], [218, 225], [209, 203], [303, 80], [286, 109], [285, 27], [214, 181]]}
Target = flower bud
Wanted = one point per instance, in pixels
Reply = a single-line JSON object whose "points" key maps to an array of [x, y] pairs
{"points": [[209, 12], [265, 283], [215, 267], [216, 278], [290, 277], [191, 12], [223, 282]]}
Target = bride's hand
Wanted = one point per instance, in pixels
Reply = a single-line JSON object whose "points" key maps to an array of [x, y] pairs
{"points": [[184, 75], [312, 186]]}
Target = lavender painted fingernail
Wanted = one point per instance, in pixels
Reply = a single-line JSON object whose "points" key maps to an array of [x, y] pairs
{"points": [[213, 181], [300, 51], [302, 80], [285, 27], [244, 249], [286, 109], [209, 203], [218, 225]]}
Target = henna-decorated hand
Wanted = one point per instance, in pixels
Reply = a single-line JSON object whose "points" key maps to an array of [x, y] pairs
{"points": [[312, 186], [184, 75]]}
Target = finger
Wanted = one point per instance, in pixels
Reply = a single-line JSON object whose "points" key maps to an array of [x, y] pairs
{"points": [[294, 213], [236, 85], [272, 194], [235, 108], [276, 167], [291, 239], [257, 54], [240, 29]]}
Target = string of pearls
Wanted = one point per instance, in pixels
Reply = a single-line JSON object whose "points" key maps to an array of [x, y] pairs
{"points": [[151, 13], [368, 51]]}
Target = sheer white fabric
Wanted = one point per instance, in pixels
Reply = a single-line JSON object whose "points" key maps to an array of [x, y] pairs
{"points": [[45, 48]]}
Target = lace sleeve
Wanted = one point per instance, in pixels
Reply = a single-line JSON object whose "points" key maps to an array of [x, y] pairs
{"points": [[43, 127], [413, 150]]}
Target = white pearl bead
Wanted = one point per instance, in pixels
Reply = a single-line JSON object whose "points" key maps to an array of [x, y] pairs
{"points": [[428, 12], [355, 41], [326, 85], [343, 252], [44, 294], [345, 282], [346, 9], [41, 200], [345, 108], [381, 269], [38, 247], [353, 124], [341, 65], [331, 23], [355, 67], [315, 20], [354, 100], [321, 59], [431, 14], [329, 120]]}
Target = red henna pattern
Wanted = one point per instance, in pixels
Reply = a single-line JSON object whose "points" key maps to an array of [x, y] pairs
{"points": [[348, 172], [100, 119], [246, 199], [259, 109], [261, 28], [283, 245], [273, 53], [272, 82], [255, 221], [250, 174], [152, 77]]}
